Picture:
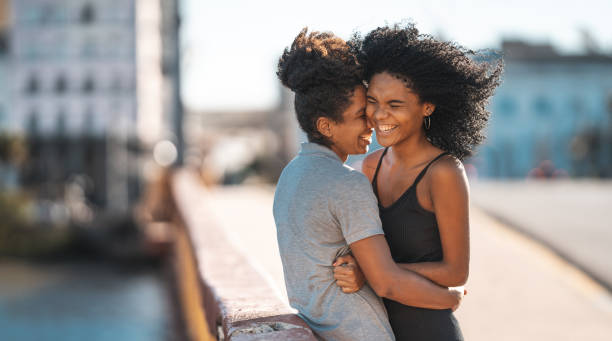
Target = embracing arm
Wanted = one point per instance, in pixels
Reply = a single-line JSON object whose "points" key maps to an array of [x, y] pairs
{"points": [[390, 281], [450, 199]]}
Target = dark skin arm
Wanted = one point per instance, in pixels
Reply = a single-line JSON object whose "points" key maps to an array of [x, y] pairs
{"points": [[448, 198], [391, 281]]}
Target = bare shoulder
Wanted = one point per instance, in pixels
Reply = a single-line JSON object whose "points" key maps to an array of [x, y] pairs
{"points": [[447, 169], [368, 167]]}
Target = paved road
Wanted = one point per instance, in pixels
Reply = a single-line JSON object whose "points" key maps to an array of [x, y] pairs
{"points": [[572, 218], [518, 290]]}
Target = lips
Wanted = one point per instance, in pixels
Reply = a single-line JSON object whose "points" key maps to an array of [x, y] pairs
{"points": [[367, 138], [385, 129]]}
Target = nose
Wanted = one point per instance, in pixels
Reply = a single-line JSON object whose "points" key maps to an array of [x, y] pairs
{"points": [[375, 112]]}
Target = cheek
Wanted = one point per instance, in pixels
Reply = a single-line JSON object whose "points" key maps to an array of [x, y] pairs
{"points": [[370, 108], [411, 118]]}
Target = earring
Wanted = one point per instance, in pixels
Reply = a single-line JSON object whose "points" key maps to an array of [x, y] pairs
{"points": [[427, 122]]}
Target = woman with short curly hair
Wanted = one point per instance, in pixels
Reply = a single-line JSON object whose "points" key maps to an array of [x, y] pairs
{"points": [[427, 101]]}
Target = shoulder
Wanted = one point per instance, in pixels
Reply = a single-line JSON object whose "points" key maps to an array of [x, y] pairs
{"points": [[353, 178], [349, 185], [370, 162], [446, 171]]}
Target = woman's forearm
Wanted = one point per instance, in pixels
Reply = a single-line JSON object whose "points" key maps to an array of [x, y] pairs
{"points": [[411, 289], [441, 273]]}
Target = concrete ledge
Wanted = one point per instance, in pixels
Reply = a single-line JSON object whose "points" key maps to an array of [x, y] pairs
{"points": [[235, 295]]}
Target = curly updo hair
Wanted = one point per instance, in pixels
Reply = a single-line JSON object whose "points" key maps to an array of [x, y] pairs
{"points": [[322, 70], [459, 82]]}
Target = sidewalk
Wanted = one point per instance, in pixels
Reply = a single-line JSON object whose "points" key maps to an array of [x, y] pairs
{"points": [[518, 290], [574, 218]]}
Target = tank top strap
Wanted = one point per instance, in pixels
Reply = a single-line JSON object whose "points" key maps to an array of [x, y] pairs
{"points": [[376, 172], [420, 176]]}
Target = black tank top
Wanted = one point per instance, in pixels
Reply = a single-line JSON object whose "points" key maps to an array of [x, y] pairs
{"points": [[411, 231], [413, 237]]}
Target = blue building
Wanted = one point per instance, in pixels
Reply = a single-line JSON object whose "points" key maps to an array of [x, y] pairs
{"points": [[551, 110]]}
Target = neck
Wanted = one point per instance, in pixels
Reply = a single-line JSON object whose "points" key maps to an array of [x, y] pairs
{"points": [[411, 148], [343, 156]]}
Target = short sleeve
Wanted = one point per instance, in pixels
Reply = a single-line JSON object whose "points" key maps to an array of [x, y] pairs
{"points": [[356, 208]]}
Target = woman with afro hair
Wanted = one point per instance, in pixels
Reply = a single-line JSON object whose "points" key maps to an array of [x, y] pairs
{"points": [[324, 209], [427, 102]]}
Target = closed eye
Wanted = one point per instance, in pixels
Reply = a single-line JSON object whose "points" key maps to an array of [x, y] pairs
{"points": [[395, 103]]}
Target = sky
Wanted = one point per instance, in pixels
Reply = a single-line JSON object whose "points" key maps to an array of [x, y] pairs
{"points": [[231, 47]]}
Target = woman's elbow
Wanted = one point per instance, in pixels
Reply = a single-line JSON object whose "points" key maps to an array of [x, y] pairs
{"points": [[457, 278], [381, 288], [456, 282]]}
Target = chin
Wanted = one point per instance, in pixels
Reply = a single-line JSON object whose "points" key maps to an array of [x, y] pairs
{"points": [[359, 151], [383, 143], [386, 141], [364, 149]]}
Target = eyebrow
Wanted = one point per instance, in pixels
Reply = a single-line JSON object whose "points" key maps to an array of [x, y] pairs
{"points": [[393, 101]]}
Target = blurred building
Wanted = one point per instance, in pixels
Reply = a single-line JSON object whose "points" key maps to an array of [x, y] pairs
{"points": [[92, 80], [231, 146], [552, 114], [4, 79], [4, 62]]}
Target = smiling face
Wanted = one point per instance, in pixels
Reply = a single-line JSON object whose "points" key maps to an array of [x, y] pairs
{"points": [[354, 134], [395, 110]]}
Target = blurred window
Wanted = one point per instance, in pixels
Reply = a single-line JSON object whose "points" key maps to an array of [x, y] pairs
{"points": [[88, 123], [89, 47], [88, 14], [542, 106], [609, 104], [114, 43], [4, 43], [32, 85], [32, 50], [1, 113], [32, 14], [48, 13], [32, 124], [60, 124], [89, 85], [61, 46], [115, 86], [62, 14], [507, 106], [61, 84]]}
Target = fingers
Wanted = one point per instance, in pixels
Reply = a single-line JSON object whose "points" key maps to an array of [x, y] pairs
{"points": [[344, 274], [349, 291], [348, 270], [347, 287], [346, 259], [345, 284], [346, 279]]}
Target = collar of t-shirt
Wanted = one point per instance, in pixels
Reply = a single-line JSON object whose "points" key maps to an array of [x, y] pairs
{"points": [[315, 148]]}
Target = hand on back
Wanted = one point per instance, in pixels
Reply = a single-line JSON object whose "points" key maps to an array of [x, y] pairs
{"points": [[348, 275]]}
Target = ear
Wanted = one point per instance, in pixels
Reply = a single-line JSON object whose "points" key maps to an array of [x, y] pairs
{"points": [[324, 127], [428, 108]]}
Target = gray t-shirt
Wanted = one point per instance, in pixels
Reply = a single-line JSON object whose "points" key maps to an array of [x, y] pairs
{"points": [[320, 207]]}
